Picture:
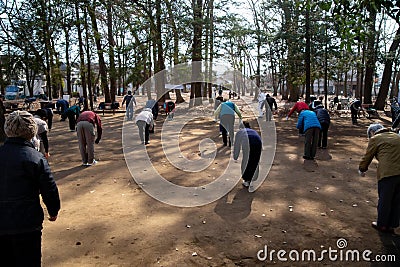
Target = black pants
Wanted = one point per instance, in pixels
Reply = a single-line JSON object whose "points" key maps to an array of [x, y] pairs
{"points": [[21, 250], [310, 142], [354, 115], [323, 135], [389, 201], [250, 160], [71, 120], [143, 130]]}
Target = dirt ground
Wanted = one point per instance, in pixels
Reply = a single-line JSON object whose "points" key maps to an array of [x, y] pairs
{"points": [[106, 219]]}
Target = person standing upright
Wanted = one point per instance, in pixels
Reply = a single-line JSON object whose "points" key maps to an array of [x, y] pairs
{"points": [[129, 106], [86, 133], [269, 108], [308, 121], [226, 113], [25, 175], [261, 102]]}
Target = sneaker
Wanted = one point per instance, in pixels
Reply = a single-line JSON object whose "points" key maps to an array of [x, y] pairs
{"points": [[246, 184], [84, 164], [251, 188], [93, 163]]}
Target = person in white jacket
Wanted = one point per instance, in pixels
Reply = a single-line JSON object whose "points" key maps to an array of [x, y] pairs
{"points": [[144, 120], [261, 101]]}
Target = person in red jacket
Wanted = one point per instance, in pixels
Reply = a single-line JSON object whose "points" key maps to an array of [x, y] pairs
{"points": [[299, 106], [86, 134]]}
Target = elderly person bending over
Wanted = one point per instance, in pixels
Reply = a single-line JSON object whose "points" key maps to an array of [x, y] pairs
{"points": [[384, 145]]}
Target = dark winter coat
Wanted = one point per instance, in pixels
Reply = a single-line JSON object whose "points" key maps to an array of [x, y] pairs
{"points": [[24, 175]]}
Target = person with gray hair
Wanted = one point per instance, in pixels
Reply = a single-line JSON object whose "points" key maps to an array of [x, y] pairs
{"points": [[25, 175], [384, 145]]}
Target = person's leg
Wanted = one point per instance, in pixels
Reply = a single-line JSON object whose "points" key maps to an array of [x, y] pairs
{"points": [[307, 144], [21, 249], [82, 142], [141, 125], [146, 133], [50, 118], [314, 141], [395, 210], [71, 121], [354, 116], [230, 128], [325, 129], [386, 192], [320, 137], [90, 137], [268, 113]]}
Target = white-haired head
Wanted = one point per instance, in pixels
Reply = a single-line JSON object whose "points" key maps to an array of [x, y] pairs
{"points": [[373, 128]]}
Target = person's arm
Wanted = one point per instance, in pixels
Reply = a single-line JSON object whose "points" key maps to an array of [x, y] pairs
{"points": [[396, 122], [237, 111], [369, 156], [48, 190], [292, 110], [45, 140], [99, 128], [134, 100], [275, 104]]}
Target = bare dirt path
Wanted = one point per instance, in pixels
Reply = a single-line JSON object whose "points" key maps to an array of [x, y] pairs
{"points": [[107, 219]]}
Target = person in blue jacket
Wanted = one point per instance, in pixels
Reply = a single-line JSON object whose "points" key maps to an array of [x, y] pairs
{"points": [[62, 105], [226, 113], [25, 180], [309, 122]]}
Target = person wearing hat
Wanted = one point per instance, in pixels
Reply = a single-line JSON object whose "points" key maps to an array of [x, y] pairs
{"points": [[384, 145], [249, 141], [41, 140], [129, 106], [24, 175]]}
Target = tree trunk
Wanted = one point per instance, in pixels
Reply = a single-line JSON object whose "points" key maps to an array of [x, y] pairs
{"points": [[371, 56], [111, 46], [100, 54], [196, 52], [80, 42], [387, 73]]}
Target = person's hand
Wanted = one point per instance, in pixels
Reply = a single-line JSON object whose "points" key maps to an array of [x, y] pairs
{"points": [[362, 174], [52, 218], [97, 140], [287, 117], [47, 155]]}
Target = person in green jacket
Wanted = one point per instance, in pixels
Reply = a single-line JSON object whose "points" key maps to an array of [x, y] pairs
{"points": [[384, 145]]}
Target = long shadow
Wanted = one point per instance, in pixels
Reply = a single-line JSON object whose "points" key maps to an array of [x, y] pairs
{"points": [[58, 175], [239, 209], [390, 246]]}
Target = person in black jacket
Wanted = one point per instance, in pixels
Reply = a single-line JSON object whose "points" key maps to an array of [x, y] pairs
{"points": [[325, 120], [355, 107], [269, 108], [24, 175]]}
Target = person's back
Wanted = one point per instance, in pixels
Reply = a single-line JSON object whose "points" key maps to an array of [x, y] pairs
{"points": [[308, 119], [323, 115]]}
